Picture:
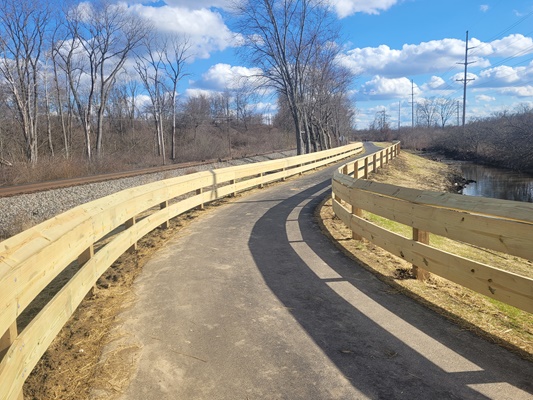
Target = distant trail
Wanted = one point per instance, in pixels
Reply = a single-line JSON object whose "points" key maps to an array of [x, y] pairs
{"points": [[251, 301]]}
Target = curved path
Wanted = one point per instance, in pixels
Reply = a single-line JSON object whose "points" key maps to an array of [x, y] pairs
{"points": [[251, 301]]}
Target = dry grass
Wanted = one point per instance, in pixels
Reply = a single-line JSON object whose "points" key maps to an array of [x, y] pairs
{"points": [[74, 367], [503, 324]]}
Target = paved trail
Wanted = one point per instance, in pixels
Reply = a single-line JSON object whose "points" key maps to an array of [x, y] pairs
{"points": [[252, 302]]}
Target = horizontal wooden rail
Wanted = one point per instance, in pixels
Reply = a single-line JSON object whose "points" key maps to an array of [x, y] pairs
{"points": [[501, 225], [30, 260]]}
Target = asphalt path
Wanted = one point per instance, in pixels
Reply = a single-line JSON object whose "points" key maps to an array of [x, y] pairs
{"points": [[251, 301]]}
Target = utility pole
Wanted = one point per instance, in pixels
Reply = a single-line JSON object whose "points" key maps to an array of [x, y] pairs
{"points": [[458, 122], [465, 80], [399, 113], [412, 104]]}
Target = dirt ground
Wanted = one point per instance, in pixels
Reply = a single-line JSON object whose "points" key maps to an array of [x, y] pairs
{"points": [[91, 358], [505, 325], [75, 366]]}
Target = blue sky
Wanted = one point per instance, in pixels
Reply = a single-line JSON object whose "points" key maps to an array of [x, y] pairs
{"points": [[386, 44]]}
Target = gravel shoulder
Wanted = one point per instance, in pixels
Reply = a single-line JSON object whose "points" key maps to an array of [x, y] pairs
{"points": [[18, 213]]}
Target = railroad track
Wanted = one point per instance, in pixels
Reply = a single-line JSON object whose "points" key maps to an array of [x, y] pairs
{"points": [[15, 190]]}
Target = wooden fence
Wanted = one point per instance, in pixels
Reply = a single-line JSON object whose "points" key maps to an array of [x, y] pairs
{"points": [[501, 225], [30, 260]]}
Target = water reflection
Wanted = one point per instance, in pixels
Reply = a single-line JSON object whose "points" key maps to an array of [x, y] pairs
{"points": [[498, 183]]}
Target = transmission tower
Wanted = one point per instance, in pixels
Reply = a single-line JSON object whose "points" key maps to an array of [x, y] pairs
{"points": [[465, 80]]}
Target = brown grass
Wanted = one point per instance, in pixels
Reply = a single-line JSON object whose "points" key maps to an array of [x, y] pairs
{"points": [[74, 366], [500, 323]]}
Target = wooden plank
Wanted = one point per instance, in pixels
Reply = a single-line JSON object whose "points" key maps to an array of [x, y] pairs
{"points": [[504, 235], [31, 259], [520, 211], [500, 285]]}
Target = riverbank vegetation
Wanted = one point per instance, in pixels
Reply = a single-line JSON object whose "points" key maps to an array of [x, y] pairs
{"points": [[502, 140], [498, 322]]}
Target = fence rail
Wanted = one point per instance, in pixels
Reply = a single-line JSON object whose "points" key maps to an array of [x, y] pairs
{"points": [[30, 260], [501, 225]]}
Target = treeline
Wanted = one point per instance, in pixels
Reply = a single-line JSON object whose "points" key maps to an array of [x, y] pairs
{"points": [[502, 140], [95, 83], [295, 45], [131, 137]]}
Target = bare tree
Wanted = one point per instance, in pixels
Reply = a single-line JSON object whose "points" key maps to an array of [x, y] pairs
{"points": [[23, 25], [446, 108], [151, 69], [381, 122], [281, 37], [101, 36], [243, 97], [176, 54], [197, 111], [427, 112], [68, 55]]}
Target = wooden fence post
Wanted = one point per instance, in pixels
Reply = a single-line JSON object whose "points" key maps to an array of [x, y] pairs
{"points": [[381, 159], [261, 185], [6, 340], [232, 182], [359, 213], [422, 237], [366, 168], [356, 169], [87, 254], [374, 161], [166, 224], [128, 224], [200, 191]]}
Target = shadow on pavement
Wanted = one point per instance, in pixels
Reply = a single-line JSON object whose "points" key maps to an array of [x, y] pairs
{"points": [[345, 313]]}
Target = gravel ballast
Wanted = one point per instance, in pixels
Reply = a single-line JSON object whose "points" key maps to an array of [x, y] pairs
{"points": [[18, 213]]}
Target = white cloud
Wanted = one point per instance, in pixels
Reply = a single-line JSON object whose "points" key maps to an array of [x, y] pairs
{"points": [[381, 88], [426, 57], [224, 76], [345, 8], [484, 8], [205, 28], [432, 56], [484, 98], [505, 76], [186, 3], [192, 92], [512, 45], [500, 76], [523, 91], [436, 83]]}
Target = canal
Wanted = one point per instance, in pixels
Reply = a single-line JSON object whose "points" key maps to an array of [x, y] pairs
{"points": [[497, 183]]}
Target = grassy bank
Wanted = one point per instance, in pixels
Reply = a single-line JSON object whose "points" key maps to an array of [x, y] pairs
{"points": [[506, 325]]}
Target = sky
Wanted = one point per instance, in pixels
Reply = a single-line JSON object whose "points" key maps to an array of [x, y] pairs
{"points": [[398, 50]]}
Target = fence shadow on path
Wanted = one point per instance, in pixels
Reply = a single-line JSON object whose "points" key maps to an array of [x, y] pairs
{"points": [[386, 344]]}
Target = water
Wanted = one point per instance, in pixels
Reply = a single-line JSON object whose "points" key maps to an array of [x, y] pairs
{"points": [[497, 183]]}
